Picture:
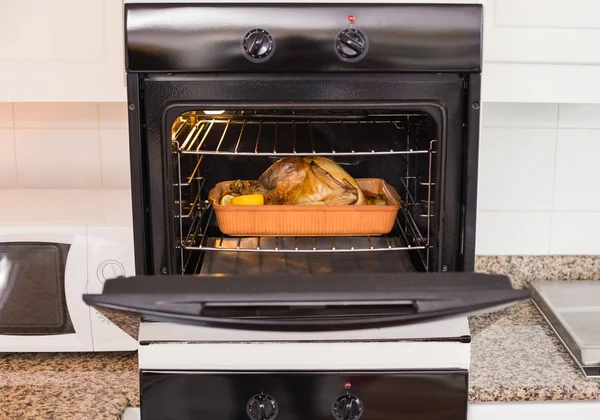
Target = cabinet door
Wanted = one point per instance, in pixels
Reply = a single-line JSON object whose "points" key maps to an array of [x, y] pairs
{"points": [[62, 50], [541, 50]]}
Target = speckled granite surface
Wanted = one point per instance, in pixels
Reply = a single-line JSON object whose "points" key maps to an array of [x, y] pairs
{"points": [[522, 270], [67, 385], [515, 357]]}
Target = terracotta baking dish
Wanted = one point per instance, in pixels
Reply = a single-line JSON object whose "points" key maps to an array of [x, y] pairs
{"points": [[364, 220]]}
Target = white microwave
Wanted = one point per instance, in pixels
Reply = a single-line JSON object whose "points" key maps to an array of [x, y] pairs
{"points": [[55, 246]]}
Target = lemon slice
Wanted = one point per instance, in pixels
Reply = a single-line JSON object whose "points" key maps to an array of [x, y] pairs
{"points": [[248, 200], [226, 200]]}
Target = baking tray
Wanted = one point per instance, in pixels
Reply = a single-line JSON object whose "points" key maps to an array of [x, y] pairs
{"points": [[293, 220]]}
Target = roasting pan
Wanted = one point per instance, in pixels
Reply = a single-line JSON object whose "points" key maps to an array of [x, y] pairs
{"points": [[317, 220]]}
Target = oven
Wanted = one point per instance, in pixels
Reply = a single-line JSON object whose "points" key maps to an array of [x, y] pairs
{"points": [[220, 92]]}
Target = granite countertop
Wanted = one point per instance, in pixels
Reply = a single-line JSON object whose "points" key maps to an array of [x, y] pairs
{"points": [[515, 357], [67, 385]]}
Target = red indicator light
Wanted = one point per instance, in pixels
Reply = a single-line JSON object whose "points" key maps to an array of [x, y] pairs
{"points": [[351, 18], [347, 385]]}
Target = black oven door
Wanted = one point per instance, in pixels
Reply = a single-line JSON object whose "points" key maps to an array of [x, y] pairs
{"points": [[318, 303]]}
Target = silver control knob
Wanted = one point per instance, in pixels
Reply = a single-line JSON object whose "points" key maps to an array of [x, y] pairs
{"points": [[351, 45], [347, 407], [262, 407], [258, 45]]}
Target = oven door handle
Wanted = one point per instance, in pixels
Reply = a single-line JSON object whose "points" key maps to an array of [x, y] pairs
{"points": [[295, 315]]}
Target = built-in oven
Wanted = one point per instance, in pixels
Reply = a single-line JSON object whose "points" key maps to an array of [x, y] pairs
{"points": [[221, 92]]}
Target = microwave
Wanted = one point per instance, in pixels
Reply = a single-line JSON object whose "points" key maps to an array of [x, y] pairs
{"points": [[55, 246]]}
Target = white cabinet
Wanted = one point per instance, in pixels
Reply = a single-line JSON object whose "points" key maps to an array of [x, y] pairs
{"points": [[542, 50], [61, 50]]}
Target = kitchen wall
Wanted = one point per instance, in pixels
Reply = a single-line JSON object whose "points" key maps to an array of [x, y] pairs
{"points": [[64, 145], [539, 183], [539, 167]]}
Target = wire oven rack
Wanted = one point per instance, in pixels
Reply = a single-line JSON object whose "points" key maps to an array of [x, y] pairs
{"points": [[289, 136], [252, 135]]}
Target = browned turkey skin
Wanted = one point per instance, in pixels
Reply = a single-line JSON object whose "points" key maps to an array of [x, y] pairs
{"points": [[303, 181]]}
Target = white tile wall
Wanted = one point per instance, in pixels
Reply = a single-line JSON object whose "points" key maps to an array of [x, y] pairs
{"points": [[539, 179], [47, 158], [56, 115], [575, 233], [514, 232], [114, 150], [579, 116], [577, 170], [112, 115], [8, 169], [516, 168], [519, 115], [6, 115], [64, 145], [539, 184]]}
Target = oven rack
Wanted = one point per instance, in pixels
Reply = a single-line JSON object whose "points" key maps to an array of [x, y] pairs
{"points": [[198, 239], [290, 135]]}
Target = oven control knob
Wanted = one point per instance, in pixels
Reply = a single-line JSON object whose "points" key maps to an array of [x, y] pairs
{"points": [[258, 45], [351, 45], [347, 407], [262, 407]]}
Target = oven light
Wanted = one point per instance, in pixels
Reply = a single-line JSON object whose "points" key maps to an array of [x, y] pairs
{"points": [[214, 112]]}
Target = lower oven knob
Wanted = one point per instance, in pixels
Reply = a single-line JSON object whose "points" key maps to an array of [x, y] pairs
{"points": [[351, 45], [347, 407], [262, 407]]}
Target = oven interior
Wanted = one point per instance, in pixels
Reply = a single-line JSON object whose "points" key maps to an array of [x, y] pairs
{"points": [[210, 146]]}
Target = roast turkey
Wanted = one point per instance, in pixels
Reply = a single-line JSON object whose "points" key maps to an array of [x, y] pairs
{"points": [[304, 181]]}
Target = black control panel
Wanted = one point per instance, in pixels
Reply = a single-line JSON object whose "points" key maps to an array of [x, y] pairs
{"points": [[227, 37], [439, 395]]}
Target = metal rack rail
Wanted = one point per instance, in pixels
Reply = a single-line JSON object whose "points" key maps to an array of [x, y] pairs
{"points": [[287, 136]]}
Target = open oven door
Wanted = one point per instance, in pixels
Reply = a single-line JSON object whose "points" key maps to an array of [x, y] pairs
{"points": [[314, 303]]}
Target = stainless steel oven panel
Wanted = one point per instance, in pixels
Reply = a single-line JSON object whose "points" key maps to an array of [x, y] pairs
{"points": [[207, 38]]}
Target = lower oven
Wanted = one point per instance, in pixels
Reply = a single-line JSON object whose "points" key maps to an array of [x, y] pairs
{"points": [[306, 395], [289, 327]]}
